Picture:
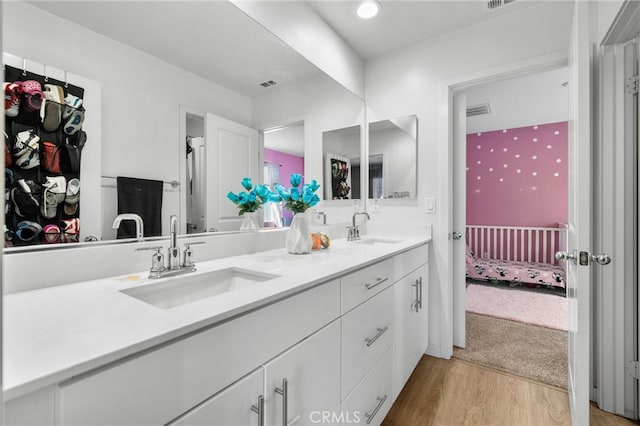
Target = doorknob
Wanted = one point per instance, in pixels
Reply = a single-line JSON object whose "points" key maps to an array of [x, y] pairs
{"points": [[456, 235], [601, 259], [563, 256]]}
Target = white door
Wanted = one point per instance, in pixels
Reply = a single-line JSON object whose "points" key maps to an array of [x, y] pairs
{"points": [[579, 233], [411, 325], [240, 404], [232, 154], [305, 380], [459, 217]]}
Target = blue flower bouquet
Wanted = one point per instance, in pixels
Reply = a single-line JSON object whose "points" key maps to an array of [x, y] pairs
{"points": [[253, 198], [298, 200]]}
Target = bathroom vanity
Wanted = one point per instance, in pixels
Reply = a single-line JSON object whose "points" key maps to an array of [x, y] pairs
{"points": [[335, 333]]}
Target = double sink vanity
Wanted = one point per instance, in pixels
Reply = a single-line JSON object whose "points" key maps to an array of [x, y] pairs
{"points": [[266, 338]]}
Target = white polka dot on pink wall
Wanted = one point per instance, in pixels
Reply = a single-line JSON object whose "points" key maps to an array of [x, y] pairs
{"points": [[534, 174], [534, 188], [535, 157], [504, 131], [558, 160], [467, 169], [556, 133], [535, 139], [518, 171], [491, 150], [505, 165], [556, 174], [517, 156], [478, 162], [501, 179], [549, 146], [515, 138], [505, 149], [479, 146], [479, 134], [477, 191], [479, 177], [490, 169], [535, 127]]}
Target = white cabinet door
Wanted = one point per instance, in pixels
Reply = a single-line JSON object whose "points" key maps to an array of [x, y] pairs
{"points": [[304, 382], [411, 335], [238, 405]]}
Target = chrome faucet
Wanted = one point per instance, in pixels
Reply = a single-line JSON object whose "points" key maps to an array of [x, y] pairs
{"points": [[173, 266], [354, 232], [173, 252], [130, 216], [324, 217]]}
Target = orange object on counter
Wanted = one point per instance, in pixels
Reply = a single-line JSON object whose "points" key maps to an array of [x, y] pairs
{"points": [[316, 239]]}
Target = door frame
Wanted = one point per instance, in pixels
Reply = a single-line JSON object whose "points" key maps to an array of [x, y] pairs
{"points": [[182, 153], [447, 90]]}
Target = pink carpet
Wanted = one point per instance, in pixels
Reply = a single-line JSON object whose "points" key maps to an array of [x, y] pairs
{"points": [[536, 308]]}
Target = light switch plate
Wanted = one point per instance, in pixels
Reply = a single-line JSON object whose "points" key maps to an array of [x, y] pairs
{"points": [[430, 205], [375, 206]]}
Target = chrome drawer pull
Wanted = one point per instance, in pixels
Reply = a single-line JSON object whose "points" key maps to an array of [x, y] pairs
{"points": [[377, 283], [370, 416], [284, 391], [259, 410], [372, 340]]}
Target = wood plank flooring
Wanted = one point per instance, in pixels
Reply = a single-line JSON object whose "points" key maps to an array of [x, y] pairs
{"points": [[454, 392]]}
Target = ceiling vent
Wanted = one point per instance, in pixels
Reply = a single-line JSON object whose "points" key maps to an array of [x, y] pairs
{"points": [[268, 83], [494, 4], [483, 109]]}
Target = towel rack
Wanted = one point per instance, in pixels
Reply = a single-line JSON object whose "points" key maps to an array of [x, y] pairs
{"points": [[173, 183]]}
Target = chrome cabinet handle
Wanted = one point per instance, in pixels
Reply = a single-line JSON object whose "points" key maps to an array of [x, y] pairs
{"points": [[370, 416], [420, 293], [371, 340], [284, 391], [377, 283], [259, 410], [416, 305]]}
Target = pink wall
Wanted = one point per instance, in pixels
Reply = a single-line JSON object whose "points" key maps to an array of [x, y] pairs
{"points": [[518, 177], [288, 164]]}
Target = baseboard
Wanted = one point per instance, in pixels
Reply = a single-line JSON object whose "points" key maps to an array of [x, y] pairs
{"points": [[436, 351]]}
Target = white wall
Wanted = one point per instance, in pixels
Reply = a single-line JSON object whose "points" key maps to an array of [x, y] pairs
{"points": [[520, 101], [288, 139], [295, 23], [323, 105], [140, 94], [414, 81]]}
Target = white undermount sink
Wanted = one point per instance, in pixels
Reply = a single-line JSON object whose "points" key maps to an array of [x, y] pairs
{"points": [[372, 241], [188, 288]]}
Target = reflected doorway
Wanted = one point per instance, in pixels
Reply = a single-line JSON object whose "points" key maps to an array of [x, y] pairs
{"points": [[196, 179], [283, 156]]}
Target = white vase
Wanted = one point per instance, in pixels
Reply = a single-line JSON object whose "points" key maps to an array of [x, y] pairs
{"points": [[299, 236], [250, 221]]}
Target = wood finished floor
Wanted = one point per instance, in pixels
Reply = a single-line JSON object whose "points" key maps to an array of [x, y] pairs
{"points": [[454, 392]]}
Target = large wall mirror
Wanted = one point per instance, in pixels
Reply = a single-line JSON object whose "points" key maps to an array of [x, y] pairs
{"points": [[341, 163], [393, 149], [149, 72]]}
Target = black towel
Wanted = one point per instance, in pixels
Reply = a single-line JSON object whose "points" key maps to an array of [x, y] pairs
{"points": [[144, 198]]}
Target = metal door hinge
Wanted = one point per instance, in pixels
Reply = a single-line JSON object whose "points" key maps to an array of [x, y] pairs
{"points": [[633, 84], [633, 369]]}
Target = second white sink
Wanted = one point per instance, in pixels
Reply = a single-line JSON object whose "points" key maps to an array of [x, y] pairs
{"points": [[183, 289]]}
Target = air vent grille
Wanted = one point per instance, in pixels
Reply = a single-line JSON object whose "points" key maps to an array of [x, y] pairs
{"points": [[483, 109], [494, 4], [268, 83]]}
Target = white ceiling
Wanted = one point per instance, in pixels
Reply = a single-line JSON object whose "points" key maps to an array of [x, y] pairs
{"points": [[401, 22], [212, 39], [215, 40]]}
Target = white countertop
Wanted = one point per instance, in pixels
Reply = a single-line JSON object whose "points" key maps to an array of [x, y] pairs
{"points": [[53, 334]]}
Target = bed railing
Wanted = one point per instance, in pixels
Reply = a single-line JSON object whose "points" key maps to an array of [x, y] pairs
{"points": [[520, 243]]}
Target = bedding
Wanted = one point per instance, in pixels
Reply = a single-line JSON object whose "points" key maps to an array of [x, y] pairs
{"points": [[516, 272]]}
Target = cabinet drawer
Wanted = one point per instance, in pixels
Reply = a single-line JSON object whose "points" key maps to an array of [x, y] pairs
{"points": [[410, 261], [159, 385], [371, 400], [231, 407], [365, 283], [366, 334]]}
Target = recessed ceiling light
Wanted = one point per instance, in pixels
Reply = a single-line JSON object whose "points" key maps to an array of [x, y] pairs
{"points": [[368, 9]]}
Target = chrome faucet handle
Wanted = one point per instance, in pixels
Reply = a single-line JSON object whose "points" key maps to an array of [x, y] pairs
{"points": [[187, 255], [157, 260]]}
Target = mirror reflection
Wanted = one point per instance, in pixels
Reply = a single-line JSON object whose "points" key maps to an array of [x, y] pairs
{"points": [[393, 152], [283, 156], [156, 77], [341, 156]]}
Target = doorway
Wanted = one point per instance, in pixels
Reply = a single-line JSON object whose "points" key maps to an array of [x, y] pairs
{"points": [[512, 183]]}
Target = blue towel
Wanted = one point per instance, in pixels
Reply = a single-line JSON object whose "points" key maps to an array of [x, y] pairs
{"points": [[144, 198]]}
